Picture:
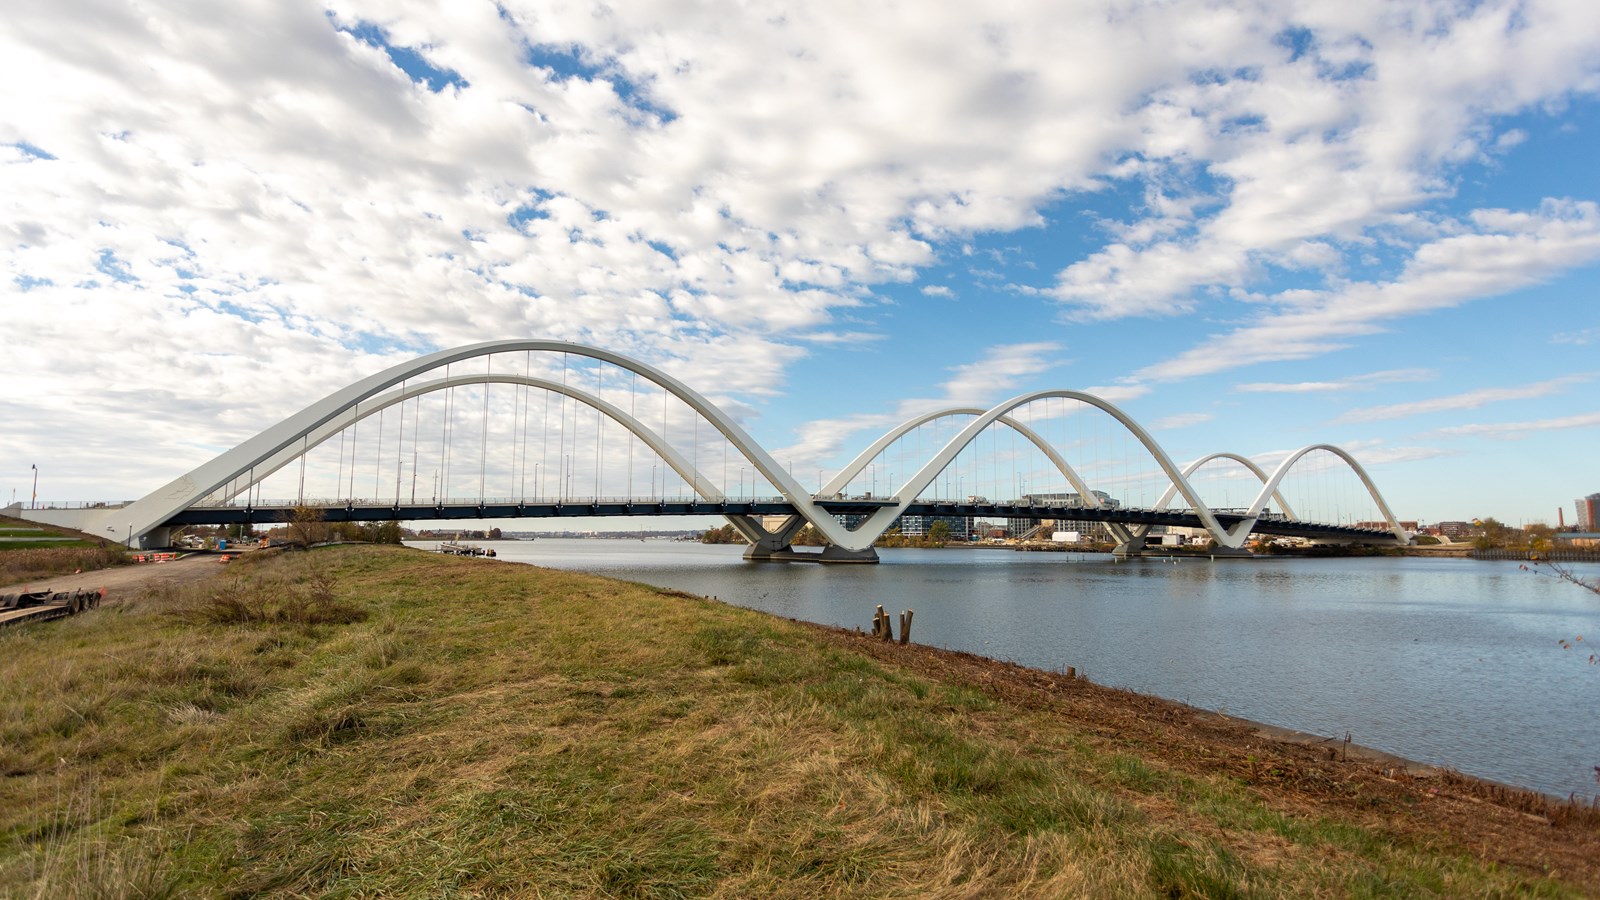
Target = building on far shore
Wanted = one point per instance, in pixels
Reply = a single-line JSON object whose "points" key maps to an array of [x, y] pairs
{"points": [[1382, 525], [1588, 513]]}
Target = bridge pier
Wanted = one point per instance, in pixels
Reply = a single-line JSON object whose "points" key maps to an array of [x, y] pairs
{"points": [[1132, 547], [156, 538], [1136, 548], [828, 554]]}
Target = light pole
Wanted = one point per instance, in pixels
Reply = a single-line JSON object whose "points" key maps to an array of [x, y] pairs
{"points": [[874, 468], [653, 481], [435, 487], [34, 504], [130, 535]]}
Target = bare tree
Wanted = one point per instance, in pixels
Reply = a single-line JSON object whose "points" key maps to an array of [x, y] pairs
{"points": [[1558, 571], [306, 526]]}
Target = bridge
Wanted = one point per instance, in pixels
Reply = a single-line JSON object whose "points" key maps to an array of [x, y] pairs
{"points": [[696, 446]]}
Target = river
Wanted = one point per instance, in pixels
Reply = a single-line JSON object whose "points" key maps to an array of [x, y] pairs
{"points": [[1446, 661]]}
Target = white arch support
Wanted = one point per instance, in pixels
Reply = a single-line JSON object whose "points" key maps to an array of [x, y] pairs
{"points": [[1271, 487], [160, 505], [704, 487], [268, 451], [857, 465], [678, 463], [880, 520], [1191, 468]]}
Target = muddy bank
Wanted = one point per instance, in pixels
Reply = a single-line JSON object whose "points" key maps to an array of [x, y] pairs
{"points": [[1296, 772]]}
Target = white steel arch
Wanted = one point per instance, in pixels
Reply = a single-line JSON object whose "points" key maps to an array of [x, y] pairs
{"points": [[880, 520], [855, 466], [750, 528], [1271, 487], [310, 441], [1191, 468], [155, 508], [276, 445]]}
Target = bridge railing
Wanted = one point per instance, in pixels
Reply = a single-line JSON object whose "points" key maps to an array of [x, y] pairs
{"points": [[241, 502], [76, 504]]}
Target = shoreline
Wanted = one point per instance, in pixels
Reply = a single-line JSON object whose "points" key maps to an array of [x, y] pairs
{"points": [[1203, 723], [520, 726], [1384, 759]]}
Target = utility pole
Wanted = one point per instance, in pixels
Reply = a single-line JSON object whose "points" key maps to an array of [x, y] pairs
{"points": [[34, 504]]}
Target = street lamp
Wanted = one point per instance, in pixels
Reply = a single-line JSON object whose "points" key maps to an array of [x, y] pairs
{"points": [[34, 504]]}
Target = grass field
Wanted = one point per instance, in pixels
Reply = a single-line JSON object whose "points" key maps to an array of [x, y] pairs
{"points": [[372, 721], [49, 552]]}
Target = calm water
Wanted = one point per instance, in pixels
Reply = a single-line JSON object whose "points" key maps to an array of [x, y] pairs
{"points": [[1451, 662]]}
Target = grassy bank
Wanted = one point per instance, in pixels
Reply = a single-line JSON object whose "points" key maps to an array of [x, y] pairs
{"points": [[376, 721], [41, 551]]}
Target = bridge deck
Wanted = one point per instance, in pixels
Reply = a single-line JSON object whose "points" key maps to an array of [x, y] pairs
{"points": [[559, 509]]}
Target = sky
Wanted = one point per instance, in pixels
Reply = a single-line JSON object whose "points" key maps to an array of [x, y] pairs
{"points": [[1253, 226]]}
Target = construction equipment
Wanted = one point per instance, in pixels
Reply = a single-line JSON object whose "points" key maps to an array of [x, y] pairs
{"points": [[45, 604]]}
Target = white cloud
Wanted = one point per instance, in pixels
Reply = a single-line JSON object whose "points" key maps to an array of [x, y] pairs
{"points": [[1467, 400], [251, 194], [978, 384], [840, 337], [1512, 431], [938, 290], [1353, 383], [1317, 149], [1183, 420], [1580, 338], [1501, 252]]}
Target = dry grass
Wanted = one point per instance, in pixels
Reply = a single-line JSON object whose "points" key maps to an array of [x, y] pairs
{"points": [[497, 730], [306, 597], [34, 563]]}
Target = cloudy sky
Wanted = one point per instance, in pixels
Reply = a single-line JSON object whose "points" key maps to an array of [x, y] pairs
{"points": [[1257, 226]]}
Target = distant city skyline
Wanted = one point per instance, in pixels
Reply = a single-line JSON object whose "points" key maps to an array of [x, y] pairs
{"points": [[1254, 228]]}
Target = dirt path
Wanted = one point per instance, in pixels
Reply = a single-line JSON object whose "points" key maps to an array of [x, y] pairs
{"points": [[123, 580]]}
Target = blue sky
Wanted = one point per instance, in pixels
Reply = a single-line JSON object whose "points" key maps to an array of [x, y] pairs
{"points": [[1256, 227]]}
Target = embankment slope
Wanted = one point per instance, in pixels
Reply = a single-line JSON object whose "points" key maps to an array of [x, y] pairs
{"points": [[492, 728]]}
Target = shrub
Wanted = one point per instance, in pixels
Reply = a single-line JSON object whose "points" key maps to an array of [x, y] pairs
{"points": [[264, 599]]}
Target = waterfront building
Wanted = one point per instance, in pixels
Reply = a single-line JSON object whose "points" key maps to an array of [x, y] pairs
{"points": [[1380, 525], [1089, 531], [1589, 513], [919, 526]]}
